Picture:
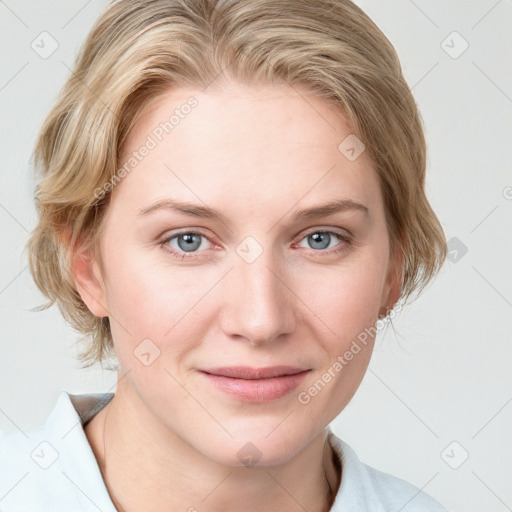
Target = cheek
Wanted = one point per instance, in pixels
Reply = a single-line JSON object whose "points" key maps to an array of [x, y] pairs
{"points": [[347, 298], [157, 302]]}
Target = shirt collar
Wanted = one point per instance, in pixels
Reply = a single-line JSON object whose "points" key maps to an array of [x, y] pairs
{"points": [[64, 431]]}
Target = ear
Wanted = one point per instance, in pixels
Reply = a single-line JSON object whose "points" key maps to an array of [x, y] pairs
{"points": [[393, 286], [88, 277]]}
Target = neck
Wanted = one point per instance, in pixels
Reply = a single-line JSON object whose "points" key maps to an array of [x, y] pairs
{"points": [[132, 446]]}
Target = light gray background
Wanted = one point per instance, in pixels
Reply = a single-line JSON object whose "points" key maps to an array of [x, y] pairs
{"points": [[443, 373]]}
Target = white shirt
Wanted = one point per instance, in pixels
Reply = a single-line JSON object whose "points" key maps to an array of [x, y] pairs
{"points": [[52, 468]]}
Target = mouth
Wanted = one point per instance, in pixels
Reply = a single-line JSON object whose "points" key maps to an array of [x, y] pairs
{"points": [[255, 385], [248, 373]]}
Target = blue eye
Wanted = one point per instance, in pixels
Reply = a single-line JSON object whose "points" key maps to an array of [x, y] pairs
{"points": [[186, 241], [322, 240]]}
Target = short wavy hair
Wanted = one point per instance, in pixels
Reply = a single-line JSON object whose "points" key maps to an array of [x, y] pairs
{"points": [[139, 49]]}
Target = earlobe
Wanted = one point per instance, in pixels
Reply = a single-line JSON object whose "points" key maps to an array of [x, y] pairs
{"points": [[88, 280], [393, 284]]}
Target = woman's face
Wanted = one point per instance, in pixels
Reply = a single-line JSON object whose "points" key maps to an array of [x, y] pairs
{"points": [[253, 271]]}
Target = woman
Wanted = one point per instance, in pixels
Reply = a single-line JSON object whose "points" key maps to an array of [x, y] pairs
{"points": [[232, 196]]}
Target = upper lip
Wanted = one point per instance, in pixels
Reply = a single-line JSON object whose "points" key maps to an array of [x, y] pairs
{"points": [[249, 373]]}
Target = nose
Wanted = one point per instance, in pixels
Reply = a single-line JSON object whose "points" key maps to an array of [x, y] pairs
{"points": [[259, 305]]}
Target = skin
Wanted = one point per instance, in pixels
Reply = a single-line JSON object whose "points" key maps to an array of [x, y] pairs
{"points": [[257, 154]]}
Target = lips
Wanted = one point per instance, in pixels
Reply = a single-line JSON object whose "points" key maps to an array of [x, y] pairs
{"points": [[255, 385], [248, 373]]}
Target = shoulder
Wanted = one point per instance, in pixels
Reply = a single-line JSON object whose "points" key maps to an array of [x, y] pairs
{"points": [[52, 467], [366, 488]]}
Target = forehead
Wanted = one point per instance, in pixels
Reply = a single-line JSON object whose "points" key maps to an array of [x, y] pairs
{"points": [[246, 145]]}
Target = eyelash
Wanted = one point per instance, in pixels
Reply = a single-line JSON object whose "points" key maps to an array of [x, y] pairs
{"points": [[345, 239]]}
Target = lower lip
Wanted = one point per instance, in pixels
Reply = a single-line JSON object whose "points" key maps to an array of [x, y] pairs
{"points": [[257, 390]]}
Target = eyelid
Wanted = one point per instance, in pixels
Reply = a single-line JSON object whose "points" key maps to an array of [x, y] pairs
{"points": [[190, 231], [327, 229]]}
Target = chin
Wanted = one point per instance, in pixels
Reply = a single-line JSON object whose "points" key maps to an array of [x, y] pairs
{"points": [[260, 446]]}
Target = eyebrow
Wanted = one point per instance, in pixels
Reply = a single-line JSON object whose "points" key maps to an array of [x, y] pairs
{"points": [[205, 212]]}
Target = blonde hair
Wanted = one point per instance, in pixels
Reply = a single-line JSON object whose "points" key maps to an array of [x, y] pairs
{"points": [[139, 49]]}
